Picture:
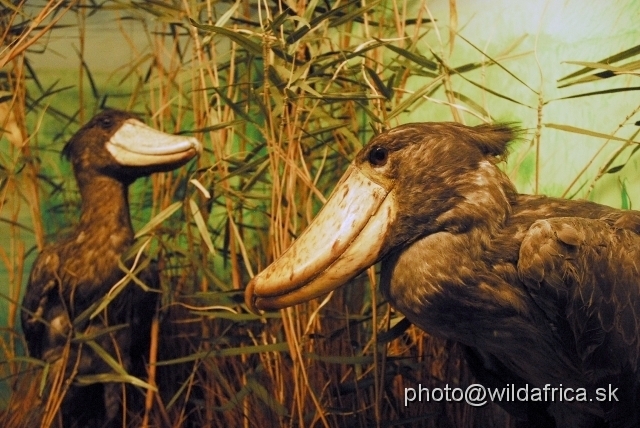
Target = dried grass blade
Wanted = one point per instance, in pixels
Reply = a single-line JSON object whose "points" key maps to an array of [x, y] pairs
{"points": [[266, 396], [341, 359], [228, 352], [235, 400], [353, 14], [496, 62], [312, 23], [380, 85], [245, 42], [234, 106], [603, 92], [122, 375], [414, 58], [497, 94], [158, 219], [599, 65], [112, 377], [217, 127], [202, 226], [576, 130], [613, 58], [411, 99], [228, 14]]}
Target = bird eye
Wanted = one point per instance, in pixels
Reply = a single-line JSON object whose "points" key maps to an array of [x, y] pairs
{"points": [[378, 156], [106, 122]]}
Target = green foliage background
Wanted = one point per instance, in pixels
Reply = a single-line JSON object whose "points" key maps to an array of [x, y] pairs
{"points": [[283, 95]]}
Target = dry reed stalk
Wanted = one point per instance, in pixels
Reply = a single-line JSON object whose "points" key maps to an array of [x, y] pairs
{"points": [[35, 30], [153, 358], [264, 87]]}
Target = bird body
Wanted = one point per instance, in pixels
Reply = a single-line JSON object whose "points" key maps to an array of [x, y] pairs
{"points": [[70, 276], [541, 291], [532, 308]]}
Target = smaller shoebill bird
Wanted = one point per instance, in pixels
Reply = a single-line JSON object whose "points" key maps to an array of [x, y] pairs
{"points": [[69, 276], [540, 291]]}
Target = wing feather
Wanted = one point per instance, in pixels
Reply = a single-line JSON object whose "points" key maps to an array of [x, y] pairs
{"points": [[42, 287], [584, 274]]}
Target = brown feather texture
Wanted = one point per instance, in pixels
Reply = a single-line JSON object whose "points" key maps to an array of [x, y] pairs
{"points": [[548, 287], [73, 274], [540, 291]]}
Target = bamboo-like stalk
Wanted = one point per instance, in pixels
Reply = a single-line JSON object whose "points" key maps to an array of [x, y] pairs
{"points": [[283, 94]]}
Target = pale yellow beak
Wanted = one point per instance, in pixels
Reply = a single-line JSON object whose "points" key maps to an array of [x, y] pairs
{"points": [[345, 238], [138, 145]]}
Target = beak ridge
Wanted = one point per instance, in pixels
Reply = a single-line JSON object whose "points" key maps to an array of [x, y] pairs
{"points": [[138, 145], [345, 238]]}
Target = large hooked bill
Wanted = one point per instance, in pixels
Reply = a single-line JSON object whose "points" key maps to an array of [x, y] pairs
{"points": [[138, 145], [345, 238]]}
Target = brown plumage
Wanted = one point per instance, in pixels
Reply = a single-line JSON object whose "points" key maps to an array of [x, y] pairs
{"points": [[71, 275], [541, 291]]}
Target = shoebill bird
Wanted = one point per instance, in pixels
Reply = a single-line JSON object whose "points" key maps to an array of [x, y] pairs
{"points": [[539, 290], [69, 276]]}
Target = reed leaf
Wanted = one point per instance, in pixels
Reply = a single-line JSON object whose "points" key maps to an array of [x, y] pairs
{"points": [[577, 130], [201, 225], [627, 53], [245, 42]]}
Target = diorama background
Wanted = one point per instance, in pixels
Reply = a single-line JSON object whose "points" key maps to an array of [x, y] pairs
{"points": [[282, 101]]}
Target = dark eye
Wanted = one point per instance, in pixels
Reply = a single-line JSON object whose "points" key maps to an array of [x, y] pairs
{"points": [[378, 156], [106, 122]]}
